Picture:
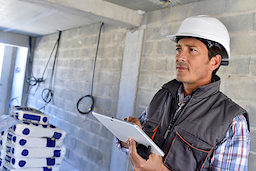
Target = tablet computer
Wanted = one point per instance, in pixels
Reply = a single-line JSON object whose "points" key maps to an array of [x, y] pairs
{"points": [[124, 130]]}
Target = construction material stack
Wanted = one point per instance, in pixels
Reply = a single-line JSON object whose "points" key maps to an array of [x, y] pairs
{"points": [[33, 144]]}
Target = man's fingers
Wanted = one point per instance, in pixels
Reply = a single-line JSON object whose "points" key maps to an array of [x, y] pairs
{"points": [[135, 158], [135, 121], [132, 146]]}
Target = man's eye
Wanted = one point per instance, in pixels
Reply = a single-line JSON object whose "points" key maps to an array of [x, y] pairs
{"points": [[193, 50], [178, 49]]}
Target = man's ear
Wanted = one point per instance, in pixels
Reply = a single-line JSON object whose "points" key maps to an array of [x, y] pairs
{"points": [[215, 62]]}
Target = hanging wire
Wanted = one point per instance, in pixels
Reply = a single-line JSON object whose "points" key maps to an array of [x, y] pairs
{"points": [[47, 93], [87, 101], [33, 81]]}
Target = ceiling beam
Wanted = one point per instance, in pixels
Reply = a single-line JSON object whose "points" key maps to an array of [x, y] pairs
{"points": [[98, 10]]}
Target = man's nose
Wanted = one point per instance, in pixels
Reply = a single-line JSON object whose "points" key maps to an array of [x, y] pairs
{"points": [[181, 55]]}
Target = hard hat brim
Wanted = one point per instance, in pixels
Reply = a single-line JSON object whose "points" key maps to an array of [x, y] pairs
{"points": [[174, 36]]}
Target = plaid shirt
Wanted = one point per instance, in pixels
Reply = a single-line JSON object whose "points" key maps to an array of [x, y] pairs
{"points": [[232, 153]]}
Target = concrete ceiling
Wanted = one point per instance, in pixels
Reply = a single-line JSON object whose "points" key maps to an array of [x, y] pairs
{"points": [[41, 17]]}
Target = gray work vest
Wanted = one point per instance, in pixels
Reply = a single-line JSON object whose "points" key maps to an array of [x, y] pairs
{"points": [[201, 125]]}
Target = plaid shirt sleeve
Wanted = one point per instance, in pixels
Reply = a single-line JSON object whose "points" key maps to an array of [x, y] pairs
{"points": [[232, 154]]}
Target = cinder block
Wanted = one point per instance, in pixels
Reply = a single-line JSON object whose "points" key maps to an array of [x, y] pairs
{"points": [[239, 6], [108, 91], [164, 47], [111, 52], [239, 23], [152, 33], [243, 44], [105, 145], [148, 48], [252, 66], [88, 165], [241, 88], [171, 64], [251, 109], [145, 80], [159, 80], [95, 156], [111, 78], [104, 132], [253, 140], [75, 158], [84, 52], [88, 137], [210, 7], [77, 63], [251, 162], [103, 105], [95, 127], [240, 65], [70, 141], [144, 97], [148, 64], [161, 65], [110, 64]]}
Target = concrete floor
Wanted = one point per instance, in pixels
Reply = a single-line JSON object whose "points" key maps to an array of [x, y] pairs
{"points": [[65, 166]]}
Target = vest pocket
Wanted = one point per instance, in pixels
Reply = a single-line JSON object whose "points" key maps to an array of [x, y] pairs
{"points": [[151, 127], [187, 152]]}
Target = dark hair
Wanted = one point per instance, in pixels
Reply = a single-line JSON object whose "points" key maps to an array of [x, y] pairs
{"points": [[214, 48]]}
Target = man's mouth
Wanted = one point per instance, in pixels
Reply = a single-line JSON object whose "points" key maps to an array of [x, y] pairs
{"points": [[181, 68]]}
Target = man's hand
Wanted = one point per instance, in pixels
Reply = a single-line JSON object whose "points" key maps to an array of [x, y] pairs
{"points": [[154, 163], [134, 121]]}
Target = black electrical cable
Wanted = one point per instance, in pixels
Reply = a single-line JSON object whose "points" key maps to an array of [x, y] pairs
{"points": [[33, 81], [47, 93], [88, 100]]}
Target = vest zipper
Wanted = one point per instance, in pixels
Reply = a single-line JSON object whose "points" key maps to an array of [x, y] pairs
{"points": [[174, 119]]}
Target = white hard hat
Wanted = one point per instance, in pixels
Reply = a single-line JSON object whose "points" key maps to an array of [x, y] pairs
{"points": [[203, 26]]}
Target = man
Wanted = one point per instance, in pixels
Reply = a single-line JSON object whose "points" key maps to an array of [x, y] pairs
{"points": [[196, 125]]}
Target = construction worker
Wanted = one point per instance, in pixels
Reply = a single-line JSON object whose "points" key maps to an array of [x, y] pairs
{"points": [[195, 125]]}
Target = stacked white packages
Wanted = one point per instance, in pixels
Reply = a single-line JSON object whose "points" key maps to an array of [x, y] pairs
{"points": [[31, 145]]}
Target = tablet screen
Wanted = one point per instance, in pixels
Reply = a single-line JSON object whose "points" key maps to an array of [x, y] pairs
{"points": [[124, 130]]}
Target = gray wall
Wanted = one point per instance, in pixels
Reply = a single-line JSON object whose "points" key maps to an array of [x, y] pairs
{"points": [[88, 143]]}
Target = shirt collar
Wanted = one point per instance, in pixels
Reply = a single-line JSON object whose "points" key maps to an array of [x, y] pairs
{"points": [[181, 98]]}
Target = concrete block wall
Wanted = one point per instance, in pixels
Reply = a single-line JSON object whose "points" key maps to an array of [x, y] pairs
{"points": [[238, 79], [89, 144]]}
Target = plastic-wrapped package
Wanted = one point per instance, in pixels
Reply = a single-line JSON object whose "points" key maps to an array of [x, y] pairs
{"points": [[36, 130], [28, 142], [19, 140], [7, 167], [24, 162], [29, 114], [34, 152]]}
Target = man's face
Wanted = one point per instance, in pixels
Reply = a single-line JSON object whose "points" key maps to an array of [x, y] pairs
{"points": [[192, 62]]}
